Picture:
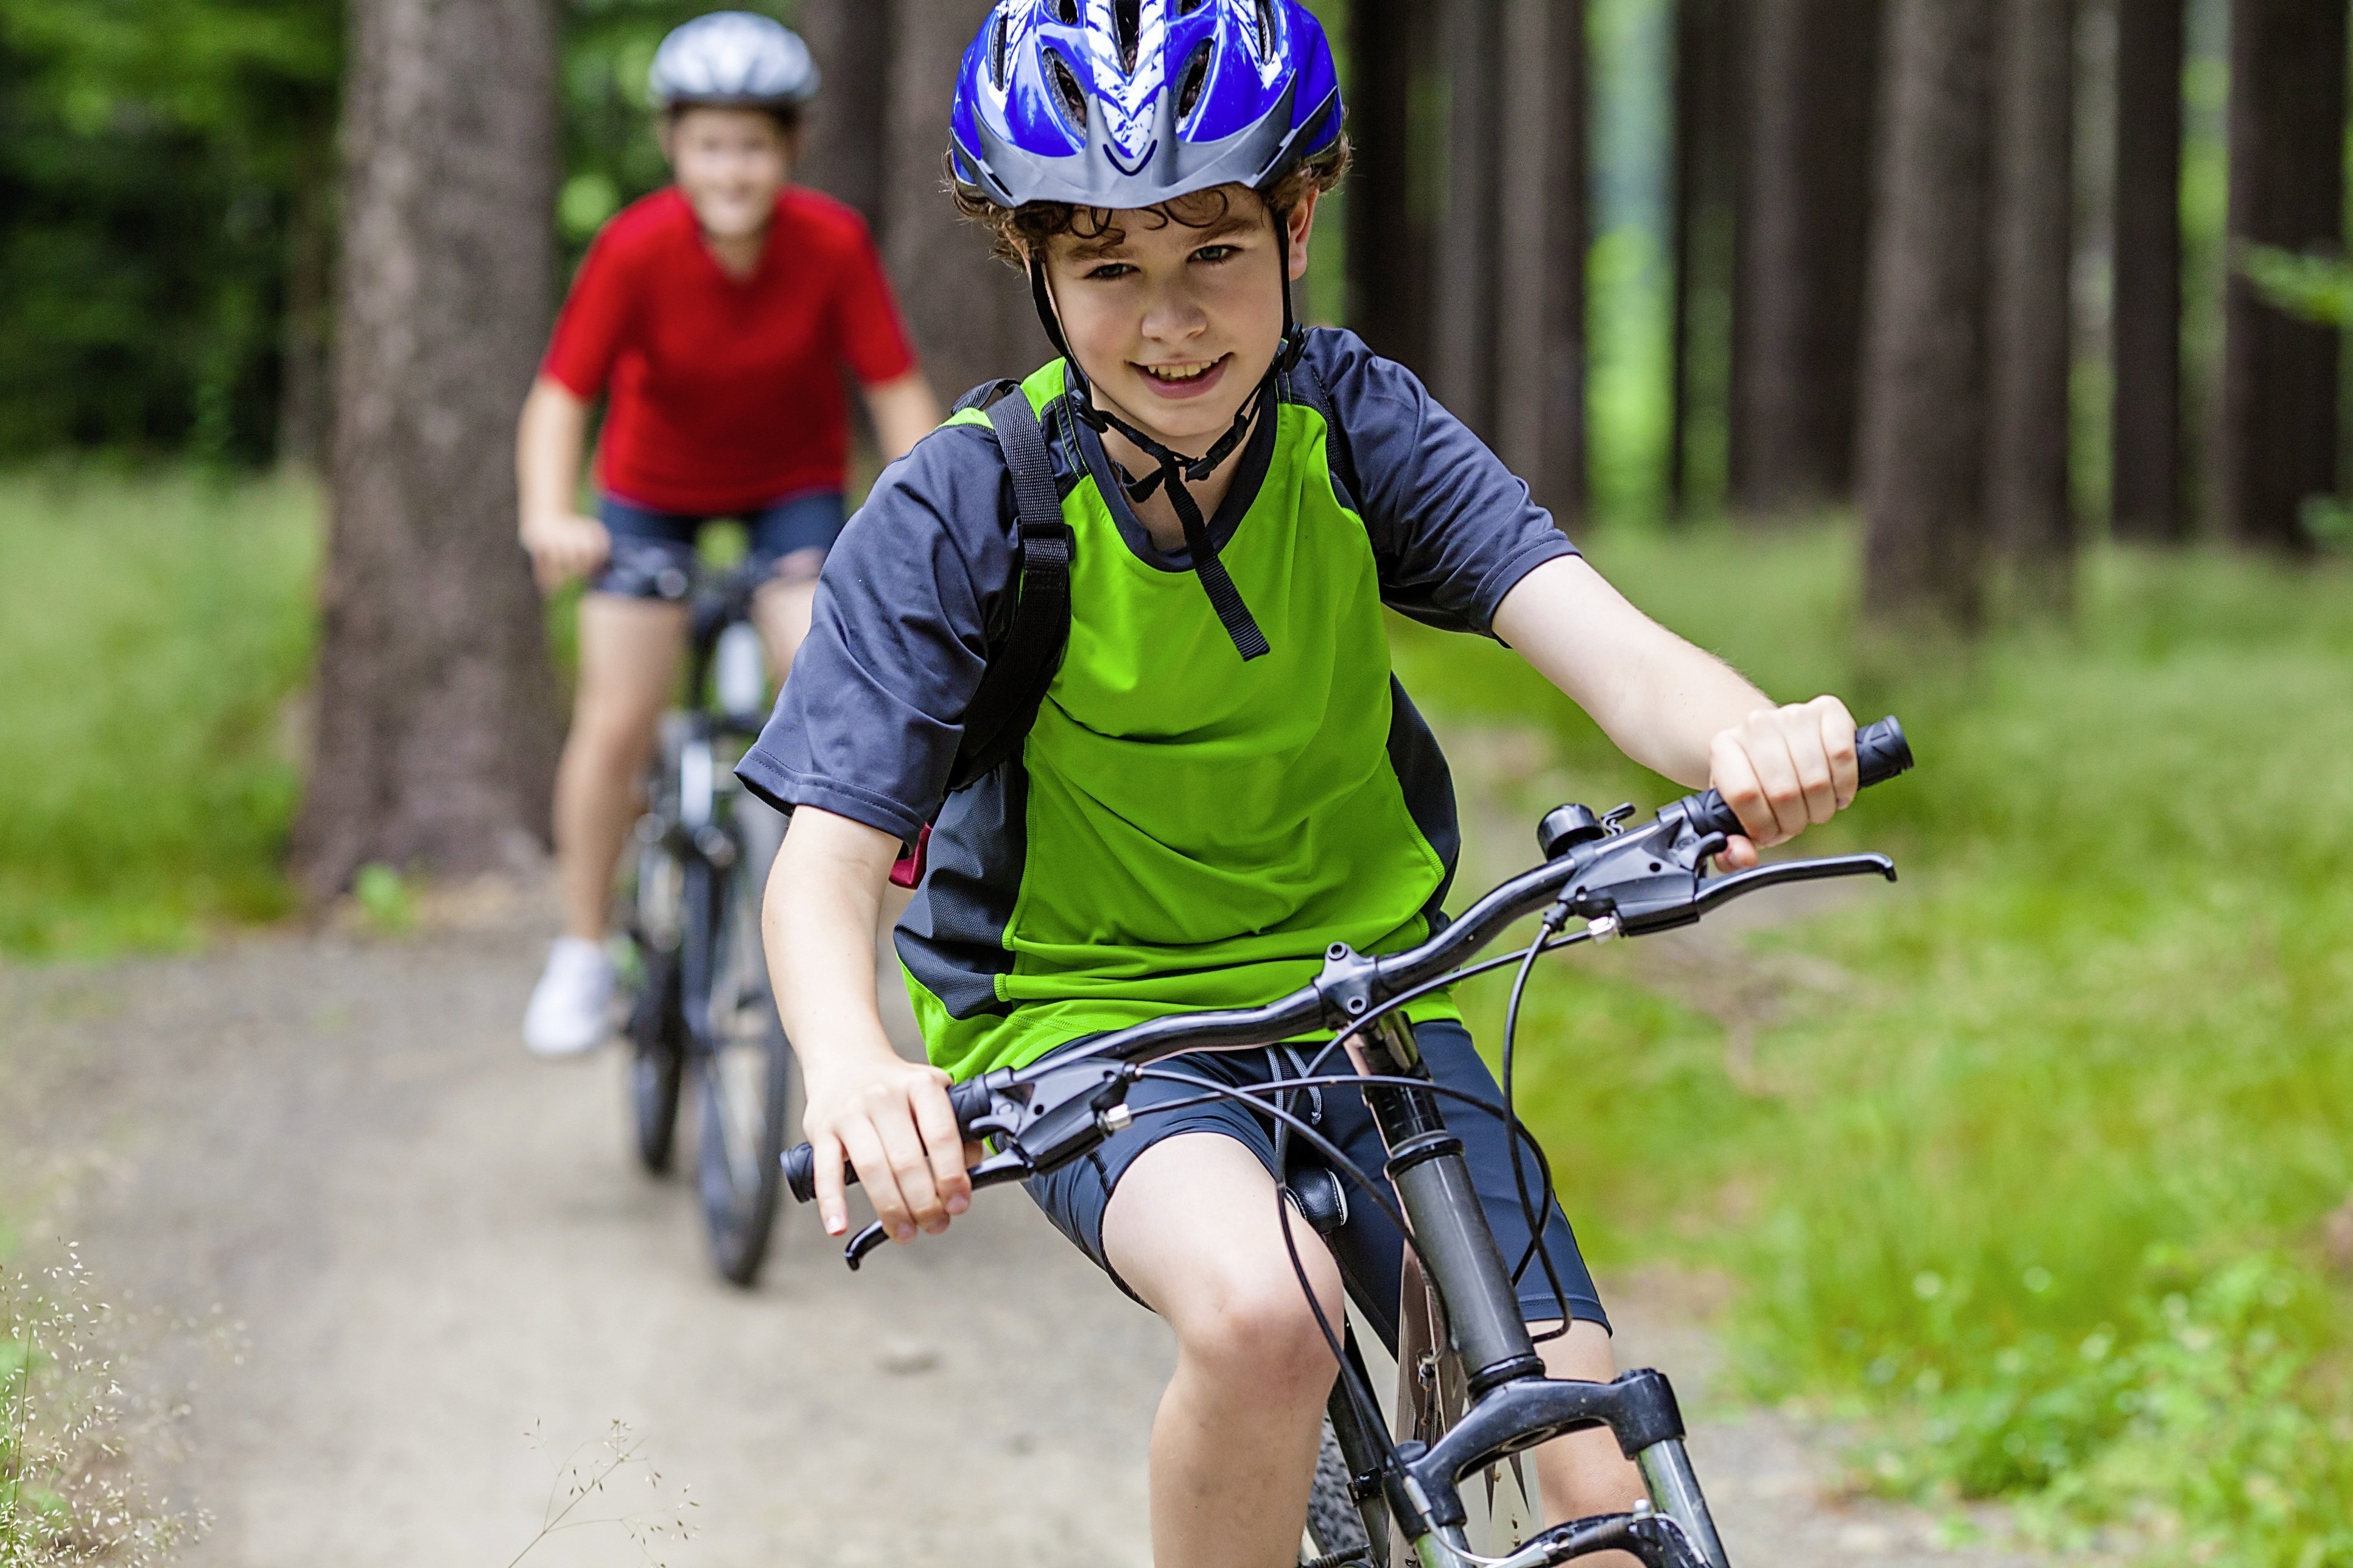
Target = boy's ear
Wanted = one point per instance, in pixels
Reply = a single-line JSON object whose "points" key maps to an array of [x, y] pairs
{"points": [[1302, 219]]}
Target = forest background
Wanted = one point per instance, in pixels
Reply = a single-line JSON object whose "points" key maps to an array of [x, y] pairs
{"points": [[2039, 1172]]}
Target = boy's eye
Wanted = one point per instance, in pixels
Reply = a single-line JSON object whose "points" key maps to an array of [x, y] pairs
{"points": [[1107, 272], [1216, 252]]}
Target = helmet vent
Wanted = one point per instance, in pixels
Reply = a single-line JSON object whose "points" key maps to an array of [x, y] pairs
{"points": [[998, 54], [1196, 78], [1064, 11], [1067, 89], [1266, 26], [1186, 7], [1129, 27]]}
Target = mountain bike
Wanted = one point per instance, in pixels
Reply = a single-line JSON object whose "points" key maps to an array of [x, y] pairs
{"points": [[1471, 1396], [700, 1012], [1435, 1479]]}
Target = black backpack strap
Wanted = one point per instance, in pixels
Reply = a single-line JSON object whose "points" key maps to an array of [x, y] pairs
{"points": [[1308, 388], [998, 718]]}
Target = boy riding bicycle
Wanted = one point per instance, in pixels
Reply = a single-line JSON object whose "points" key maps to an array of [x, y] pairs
{"points": [[1223, 778], [716, 317]]}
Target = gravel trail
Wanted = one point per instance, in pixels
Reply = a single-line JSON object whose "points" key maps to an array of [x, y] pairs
{"points": [[435, 1245]]}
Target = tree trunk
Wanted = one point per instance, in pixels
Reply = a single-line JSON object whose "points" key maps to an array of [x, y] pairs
{"points": [[1810, 127], [970, 314], [1925, 429], [437, 722], [2287, 188], [842, 144], [2145, 445], [1388, 233], [1539, 343], [2028, 500], [1462, 357], [1707, 139]]}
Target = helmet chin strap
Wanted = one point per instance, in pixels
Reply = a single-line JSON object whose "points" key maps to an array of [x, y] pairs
{"points": [[1174, 468]]}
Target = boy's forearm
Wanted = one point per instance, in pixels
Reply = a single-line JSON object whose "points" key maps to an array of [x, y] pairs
{"points": [[903, 412], [1658, 698], [549, 441], [824, 899]]}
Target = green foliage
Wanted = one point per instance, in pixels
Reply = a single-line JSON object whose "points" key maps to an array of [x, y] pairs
{"points": [[384, 898], [2079, 1083], [2313, 287], [153, 632], [157, 160]]}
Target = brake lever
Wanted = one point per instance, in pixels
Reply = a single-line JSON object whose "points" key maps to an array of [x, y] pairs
{"points": [[1010, 1163], [1717, 891], [1039, 1124]]}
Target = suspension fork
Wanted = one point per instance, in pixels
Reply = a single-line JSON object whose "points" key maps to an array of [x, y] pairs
{"points": [[1450, 1227]]}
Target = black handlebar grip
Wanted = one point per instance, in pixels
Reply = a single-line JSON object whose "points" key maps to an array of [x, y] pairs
{"points": [[970, 1097], [1880, 752]]}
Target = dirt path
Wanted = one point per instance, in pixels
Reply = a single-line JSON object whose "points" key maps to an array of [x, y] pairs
{"points": [[435, 1245]]}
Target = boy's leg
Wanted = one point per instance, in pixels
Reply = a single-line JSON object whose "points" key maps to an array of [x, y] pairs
{"points": [[629, 651], [793, 538], [1192, 1227], [1585, 1473]]}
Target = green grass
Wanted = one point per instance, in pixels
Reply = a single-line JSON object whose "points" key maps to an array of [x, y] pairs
{"points": [[2039, 1184], [152, 630]]}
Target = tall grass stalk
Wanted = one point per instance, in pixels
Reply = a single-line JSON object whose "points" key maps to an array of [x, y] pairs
{"points": [[2033, 1164]]}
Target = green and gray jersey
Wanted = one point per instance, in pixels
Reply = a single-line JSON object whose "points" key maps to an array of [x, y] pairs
{"points": [[1181, 829]]}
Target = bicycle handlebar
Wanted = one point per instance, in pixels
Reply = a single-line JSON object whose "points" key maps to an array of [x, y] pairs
{"points": [[1880, 752], [1600, 874]]}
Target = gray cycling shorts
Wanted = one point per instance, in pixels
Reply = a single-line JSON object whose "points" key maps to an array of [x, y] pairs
{"points": [[1368, 1249]]}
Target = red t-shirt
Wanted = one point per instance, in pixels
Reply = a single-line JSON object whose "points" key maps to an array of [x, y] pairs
{"points": [[726, 395]]}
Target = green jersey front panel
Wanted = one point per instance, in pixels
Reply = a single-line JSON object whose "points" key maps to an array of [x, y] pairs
{"points": [[1182, 829]]}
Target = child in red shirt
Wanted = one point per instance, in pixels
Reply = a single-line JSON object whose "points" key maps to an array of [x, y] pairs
{"points": [[715, 318]]}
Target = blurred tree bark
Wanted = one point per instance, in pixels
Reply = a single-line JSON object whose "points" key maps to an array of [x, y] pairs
{"points": [[2145, 447], [1706, 182], [1389, 47], [2287, 188], [1810, 126], [1462, 354], [437, 722], [1924, 424], [842, 143], [970, 314], [2029, 505], [1538, 411]]}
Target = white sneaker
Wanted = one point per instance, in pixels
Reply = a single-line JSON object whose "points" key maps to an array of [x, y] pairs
{"points": [[566, 1017]]}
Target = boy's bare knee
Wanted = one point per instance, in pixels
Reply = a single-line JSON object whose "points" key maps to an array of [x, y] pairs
{"points": [[1255, 1329]]}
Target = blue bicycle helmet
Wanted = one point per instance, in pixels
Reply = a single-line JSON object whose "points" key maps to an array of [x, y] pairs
{"points": [[1129, 103]]}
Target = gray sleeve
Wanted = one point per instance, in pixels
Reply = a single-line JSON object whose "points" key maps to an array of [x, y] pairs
{"points": [[869, 723], [1453, 529]]}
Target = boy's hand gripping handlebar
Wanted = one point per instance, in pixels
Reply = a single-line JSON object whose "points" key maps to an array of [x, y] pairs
{"points": [[1625, 881]]}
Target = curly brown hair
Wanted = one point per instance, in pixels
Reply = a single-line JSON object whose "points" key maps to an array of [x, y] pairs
{"points": [[1015, 233]]}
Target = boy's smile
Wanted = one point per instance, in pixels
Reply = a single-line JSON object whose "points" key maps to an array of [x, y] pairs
{"points": [[1175, 313]]}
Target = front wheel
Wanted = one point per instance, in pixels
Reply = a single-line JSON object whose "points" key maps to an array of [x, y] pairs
{"points": [[1336, 1533], [657, 1026], [744, 1068]]}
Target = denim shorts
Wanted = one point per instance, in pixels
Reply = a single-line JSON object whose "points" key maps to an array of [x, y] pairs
{"points": [[1367, 1248], [654, 552]]}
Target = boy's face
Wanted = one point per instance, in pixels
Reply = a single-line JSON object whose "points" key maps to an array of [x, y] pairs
{"points": [[730, 163], [1176, 324]]}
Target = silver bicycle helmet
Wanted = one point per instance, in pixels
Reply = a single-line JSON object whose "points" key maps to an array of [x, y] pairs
{"points": [[733, 57]]}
